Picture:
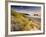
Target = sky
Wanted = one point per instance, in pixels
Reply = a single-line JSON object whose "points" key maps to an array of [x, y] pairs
{"points": [[27, 9]]}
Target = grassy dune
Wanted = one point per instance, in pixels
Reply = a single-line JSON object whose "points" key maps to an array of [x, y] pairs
{"points": [[21, 22]]}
